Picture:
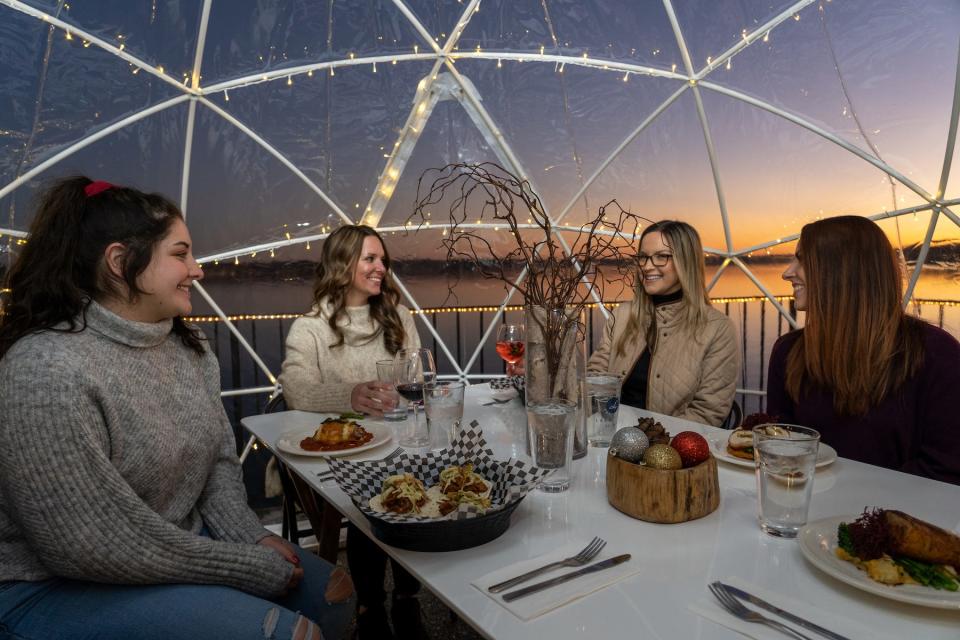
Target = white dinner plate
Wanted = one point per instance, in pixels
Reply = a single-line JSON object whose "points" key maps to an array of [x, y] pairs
{"points": [[818, 544], [718, 444], [289, 442]]}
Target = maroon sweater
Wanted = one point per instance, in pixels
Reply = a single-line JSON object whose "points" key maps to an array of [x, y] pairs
{"points": [[915, 429]]}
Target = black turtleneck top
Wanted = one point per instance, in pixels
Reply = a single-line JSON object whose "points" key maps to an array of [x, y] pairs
{"points": [[634, 389]]}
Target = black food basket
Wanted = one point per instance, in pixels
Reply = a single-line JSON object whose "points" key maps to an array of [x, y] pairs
{"points": [[464, 528]]}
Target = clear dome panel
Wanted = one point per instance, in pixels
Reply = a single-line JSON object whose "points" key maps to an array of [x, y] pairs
{"points": [[23, 41], [159, 33], [952, 191], [854, 70], [563, 126], [599, 28], [336, 129], [265, 201], [449, 136], [147, 154], [64, 94], [802, 176], [246, 37], [711, 28], [665, 173]]}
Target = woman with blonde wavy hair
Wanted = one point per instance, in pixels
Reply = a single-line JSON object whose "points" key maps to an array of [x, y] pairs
{"points": [[331, 365], [875, 382], [677, 354], [356, 319]]}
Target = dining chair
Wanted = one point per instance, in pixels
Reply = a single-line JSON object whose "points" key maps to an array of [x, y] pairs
{"points": [[734, 418]]}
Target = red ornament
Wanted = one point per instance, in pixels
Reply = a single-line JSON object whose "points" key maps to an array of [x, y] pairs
{"points": [[692, 447]]}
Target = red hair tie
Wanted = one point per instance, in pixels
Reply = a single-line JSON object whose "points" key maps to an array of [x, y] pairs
{"points": [[98, 186]]}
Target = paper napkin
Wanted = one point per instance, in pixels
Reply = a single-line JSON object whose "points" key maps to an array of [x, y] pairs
{"points": [[711, 609], [540, 603]]}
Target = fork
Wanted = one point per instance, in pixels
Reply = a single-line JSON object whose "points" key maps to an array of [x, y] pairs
{"points": [[585, 555], [328, 473], [495, 401], [735, 607]]}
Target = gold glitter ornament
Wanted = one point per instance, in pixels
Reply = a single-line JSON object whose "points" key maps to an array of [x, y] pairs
{"points": [[662, 456]]}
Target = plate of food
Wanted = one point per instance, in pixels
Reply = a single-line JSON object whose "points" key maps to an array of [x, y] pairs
{"points": [[737, 449], [455, 498], [335, 437], [887, 553]]}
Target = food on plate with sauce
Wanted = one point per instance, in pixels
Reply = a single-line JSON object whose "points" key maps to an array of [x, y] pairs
{"points": [[335, 434], [895, 548]]}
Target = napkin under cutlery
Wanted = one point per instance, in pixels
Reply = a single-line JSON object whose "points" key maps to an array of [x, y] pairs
{"points": [[709, 608], [537, 604]]}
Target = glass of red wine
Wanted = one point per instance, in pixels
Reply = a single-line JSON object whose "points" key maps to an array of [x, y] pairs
{"points": [[510, 343], [413, 369]]}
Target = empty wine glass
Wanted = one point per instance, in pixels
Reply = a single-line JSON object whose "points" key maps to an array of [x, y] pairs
{"points": [[510, 343], [412, 370]]}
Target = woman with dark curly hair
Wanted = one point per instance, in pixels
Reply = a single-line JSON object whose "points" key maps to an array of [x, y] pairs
{"points": [[331, 365], [122, 510], [876, 383]]}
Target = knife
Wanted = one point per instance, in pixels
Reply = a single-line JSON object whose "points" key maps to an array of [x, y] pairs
{"points": [[546, 584], [786, 615]]}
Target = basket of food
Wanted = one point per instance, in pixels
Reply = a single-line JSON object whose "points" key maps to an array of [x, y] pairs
{"points": [[455, 498]]}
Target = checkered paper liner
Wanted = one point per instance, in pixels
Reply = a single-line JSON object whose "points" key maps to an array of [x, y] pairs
{"points": [[511, 479]]}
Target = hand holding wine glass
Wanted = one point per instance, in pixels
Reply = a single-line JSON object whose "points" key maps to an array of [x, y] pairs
{"points": [[412, 370]]}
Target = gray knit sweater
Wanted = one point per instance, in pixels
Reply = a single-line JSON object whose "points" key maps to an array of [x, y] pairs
{"points": [[115, 452]]}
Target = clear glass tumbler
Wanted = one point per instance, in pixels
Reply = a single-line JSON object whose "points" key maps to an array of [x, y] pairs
{"points": [[399, 412], [551, 425], [785, 456], [443, 404], [603, 398]]}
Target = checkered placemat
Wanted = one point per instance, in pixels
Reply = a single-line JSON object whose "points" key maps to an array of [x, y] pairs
{"points": [[511, 479]]}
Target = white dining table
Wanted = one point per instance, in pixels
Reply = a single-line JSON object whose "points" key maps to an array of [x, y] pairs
{"points": [[677, 561]]}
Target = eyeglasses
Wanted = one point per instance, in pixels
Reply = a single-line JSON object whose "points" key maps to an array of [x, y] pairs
{"points": [[658, 259]]}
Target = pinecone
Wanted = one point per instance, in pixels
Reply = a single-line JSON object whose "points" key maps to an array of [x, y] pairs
{"points": [[654, 431]]}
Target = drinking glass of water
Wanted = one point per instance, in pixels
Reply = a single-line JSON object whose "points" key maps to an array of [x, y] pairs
{"points": [[785, 456], [443, 404], [603, 398]]}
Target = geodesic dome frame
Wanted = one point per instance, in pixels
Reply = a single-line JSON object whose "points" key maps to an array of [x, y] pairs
{"points": [[683, 62]]}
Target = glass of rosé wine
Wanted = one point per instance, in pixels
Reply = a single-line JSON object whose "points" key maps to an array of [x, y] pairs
{"points": [[510, 343]]}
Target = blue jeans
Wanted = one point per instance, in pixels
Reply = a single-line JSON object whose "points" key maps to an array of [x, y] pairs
{"points": [[73, 610]]}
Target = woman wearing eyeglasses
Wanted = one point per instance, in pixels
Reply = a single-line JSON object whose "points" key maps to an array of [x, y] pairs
{"points": [[677, 354]]}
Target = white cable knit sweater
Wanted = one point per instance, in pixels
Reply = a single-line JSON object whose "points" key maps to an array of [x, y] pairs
{"points": [[318, 377]]}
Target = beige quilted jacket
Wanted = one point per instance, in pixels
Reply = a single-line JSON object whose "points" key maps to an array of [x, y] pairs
{"points": [[691, 376]]}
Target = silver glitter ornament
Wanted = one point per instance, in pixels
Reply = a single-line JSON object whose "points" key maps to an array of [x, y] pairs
{"points": [[629, 443]]}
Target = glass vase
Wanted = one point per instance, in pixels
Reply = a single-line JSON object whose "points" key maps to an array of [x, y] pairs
{"points": [[555, 364]]}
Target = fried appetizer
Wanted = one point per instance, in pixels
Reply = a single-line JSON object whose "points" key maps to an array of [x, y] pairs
{"points": [[740, 444]]}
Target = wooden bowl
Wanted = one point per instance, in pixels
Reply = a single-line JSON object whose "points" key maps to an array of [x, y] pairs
{"points": [[656, 495]]}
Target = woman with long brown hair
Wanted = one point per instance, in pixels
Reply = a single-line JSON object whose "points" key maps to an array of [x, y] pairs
{"points": [[876, 382], [331, 365], [122, 511]]}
